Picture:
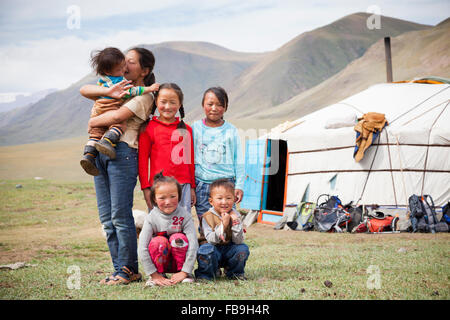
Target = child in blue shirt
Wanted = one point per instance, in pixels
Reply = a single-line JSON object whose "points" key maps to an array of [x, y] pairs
{"points": [[217, 148]]}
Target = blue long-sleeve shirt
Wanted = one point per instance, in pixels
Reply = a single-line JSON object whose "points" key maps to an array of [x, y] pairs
{"points": [[218, 153]]}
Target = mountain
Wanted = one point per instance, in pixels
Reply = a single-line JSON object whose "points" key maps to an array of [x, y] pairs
{"points": [[255, 82], [415, 54], [307, 60], [194, 66], [11, 101]]}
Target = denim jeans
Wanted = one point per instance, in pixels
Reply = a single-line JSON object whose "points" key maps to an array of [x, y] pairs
{"points": [[202, 194], [231, 256], [115, 188]]}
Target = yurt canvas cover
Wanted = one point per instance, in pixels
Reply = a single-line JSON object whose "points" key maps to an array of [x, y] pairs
{"points": [[412, 155]]}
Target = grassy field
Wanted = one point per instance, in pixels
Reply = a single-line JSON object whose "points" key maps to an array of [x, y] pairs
{"points": [[53, 226], [59, 160]]}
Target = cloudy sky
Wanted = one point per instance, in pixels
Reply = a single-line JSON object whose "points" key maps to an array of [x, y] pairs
{"points": [[47, 44]]}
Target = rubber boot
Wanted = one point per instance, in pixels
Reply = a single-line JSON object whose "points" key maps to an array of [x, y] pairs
{"points": [[88, 161], [107, 143]]}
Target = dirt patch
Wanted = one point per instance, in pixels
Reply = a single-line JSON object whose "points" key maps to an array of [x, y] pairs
{"points": [[26, 243]]}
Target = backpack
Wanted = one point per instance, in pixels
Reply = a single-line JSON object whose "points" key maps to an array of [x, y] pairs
{"points": [[376, 222], [379, 222], [289, 216], [304, 216], [423, 215], [330, 215], [446, 213]]}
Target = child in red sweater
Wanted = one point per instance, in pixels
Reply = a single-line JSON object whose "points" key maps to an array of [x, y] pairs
{"points": [[168, 143]]}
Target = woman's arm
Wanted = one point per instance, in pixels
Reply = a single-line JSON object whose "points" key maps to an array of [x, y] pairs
{"points": [[111, 117]]}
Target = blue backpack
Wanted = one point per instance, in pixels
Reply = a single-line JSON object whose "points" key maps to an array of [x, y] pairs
{"points": [[423, 215], [446, 213], [330, 215]]}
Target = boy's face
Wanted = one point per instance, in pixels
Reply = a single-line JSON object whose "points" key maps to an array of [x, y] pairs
{"points": [[119, 69], [166, 197], [221, 199]]}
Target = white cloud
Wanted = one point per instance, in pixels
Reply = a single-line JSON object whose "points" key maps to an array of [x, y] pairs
{"points": [[252, 26], [21, 10]]}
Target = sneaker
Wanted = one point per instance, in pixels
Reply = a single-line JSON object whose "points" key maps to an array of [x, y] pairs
{"points": [[188, 279], [240, 277], [203, 280], [105, 146], [150, 283]]}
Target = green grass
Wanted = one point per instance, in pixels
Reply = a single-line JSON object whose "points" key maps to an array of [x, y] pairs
{"points": [[55, 226]]}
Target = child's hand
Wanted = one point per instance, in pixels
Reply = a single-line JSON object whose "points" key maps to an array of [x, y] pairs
{"points": [[120, 89], [193, 197], [239, 194], [159, 280], [147, 193], [233, 215], [178, 277], [154, 87], [226, 218]]}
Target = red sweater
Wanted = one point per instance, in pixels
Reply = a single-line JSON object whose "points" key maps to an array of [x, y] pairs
{"points": [[168, 150]]}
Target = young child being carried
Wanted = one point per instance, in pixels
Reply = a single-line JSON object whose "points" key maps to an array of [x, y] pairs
{"points": [[168, 240], [221, 236], [110, 64]]}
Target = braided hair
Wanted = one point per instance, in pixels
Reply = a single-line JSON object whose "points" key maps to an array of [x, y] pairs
{"points": [[177, 90]]}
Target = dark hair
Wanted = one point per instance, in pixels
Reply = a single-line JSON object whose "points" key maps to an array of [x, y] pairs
{"points": [[103, 61], [160, 179], [220, 93], [224, 183], [146, 60], [179, 92]]}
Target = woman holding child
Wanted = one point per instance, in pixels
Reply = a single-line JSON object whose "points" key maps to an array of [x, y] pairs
{"points": [[117, 178]]}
